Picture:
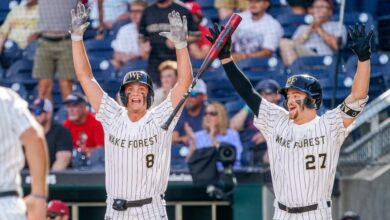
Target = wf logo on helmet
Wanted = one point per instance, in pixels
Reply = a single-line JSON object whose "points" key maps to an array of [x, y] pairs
{"points": [[291, 80]]}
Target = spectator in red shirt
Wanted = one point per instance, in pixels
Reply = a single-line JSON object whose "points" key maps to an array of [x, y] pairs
{"points": [[200, 48], [87, 132]]}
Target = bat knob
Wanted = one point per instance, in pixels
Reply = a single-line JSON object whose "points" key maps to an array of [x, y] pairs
{"points": [[165, 126]]}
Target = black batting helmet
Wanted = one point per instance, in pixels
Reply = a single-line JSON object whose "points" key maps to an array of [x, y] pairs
{"points": [[138, 76], [307, 84]]}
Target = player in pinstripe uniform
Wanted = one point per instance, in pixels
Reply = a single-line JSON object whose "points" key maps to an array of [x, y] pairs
{"points": [[303, 147], [137, 149], [19, 127]]}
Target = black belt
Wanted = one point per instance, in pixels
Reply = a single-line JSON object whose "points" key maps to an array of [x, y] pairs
{"points": [[55, 39], [300, 209], [122, 205], [9, 193]]}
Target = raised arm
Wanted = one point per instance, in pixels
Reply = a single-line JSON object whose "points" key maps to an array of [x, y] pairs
{"points": [[178, 35], [80, 60], [240, 82], [361, 46]]}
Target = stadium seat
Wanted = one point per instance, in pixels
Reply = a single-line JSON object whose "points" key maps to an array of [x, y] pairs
{"points": [[20, 89], [221, 90], [344, 84], [232, 107], [317, 66], [210, 13], [21, 72], [11, 52], [290, 22], [278, 7], [102, 69], [257, 69], [132, 65], [351, 18], [111, 87], [29, 51], [61, 114], [99, 49], [206, 3]]}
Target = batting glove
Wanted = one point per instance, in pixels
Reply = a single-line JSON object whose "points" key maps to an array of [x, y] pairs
{"points": [[179, 30], [361, 42], [226, 50], [79, 22]]}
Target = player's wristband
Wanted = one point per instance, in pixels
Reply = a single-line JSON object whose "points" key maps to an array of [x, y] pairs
{"points": [[181, 45], [76, 37], [37, 196]]}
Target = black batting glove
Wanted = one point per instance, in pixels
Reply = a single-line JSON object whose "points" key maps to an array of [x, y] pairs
{"points": [[225, 52], [361, 42]]}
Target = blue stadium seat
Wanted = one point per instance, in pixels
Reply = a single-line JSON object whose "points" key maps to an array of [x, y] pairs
{"points": [[290, 22], [278, 7], [177, 160], [21, 72], [11, 52], [343, 89], [99, 49], [111, 87], [20, 89], [221, 90], [61, 114], [351, 18], [232, 107], [213, 74], [102, 69], [133, 65], [210, 13], [317, 66], [29, 51], [257, 69], [206, 3]]}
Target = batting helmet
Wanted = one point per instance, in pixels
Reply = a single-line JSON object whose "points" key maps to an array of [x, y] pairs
{"points": [[349, 215], [307, 84], [139, 77]]}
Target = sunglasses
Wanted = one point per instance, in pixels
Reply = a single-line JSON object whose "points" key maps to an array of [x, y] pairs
{"points": [[211, 113], [194, 93], [37, 111], [136, 11], [53, 215]]}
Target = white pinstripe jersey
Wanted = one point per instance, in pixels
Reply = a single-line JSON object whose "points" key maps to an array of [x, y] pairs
{"points": [[303, 158], [137, 154], [15, 118]]}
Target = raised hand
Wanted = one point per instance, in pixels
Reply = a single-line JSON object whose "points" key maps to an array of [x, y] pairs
{"points": [[361, 42], [178, 30], [79, 22], [226, 50]]}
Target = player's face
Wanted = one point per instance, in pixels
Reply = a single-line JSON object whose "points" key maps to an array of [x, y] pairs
{"points": [[295, 103], [136, 96], [258, 6]]}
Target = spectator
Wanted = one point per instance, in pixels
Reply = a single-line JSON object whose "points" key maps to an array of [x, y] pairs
{"points": [[168, 77], [57, 210], [126, 45], [192, 113], [349, 215], [227, 7], [155, 47], [258, 34], [87, 132], [215, 131], [299, 7], [20, 25], [318, 38], [54, 53], [253, 141], [200, 48], [58, 138]]}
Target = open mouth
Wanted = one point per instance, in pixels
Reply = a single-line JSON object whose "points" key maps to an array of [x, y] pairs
{"points": [[135, 100]]}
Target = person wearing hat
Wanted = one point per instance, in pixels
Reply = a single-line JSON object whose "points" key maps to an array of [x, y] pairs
{"points": [[57, 210], [253, 141], [201, 47], [192, 114], [58, 138], [87, 132]]}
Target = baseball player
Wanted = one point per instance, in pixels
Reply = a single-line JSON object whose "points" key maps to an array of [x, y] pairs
{"points": [[137, 149], [303, 147], [19, 127]]}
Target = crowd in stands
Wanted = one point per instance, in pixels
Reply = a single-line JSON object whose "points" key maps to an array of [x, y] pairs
{"points": [[124, 35]]}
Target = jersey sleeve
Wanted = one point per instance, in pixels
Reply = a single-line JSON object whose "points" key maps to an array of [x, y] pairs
{"points": [[269, 115], [162, 111], [20, 117], [108, 109], [334, 121]]}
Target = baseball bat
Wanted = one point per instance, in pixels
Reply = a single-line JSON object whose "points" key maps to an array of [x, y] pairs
{"points": [[221, 40]]}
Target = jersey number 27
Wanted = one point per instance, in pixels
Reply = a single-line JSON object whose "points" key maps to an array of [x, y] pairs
{"points": [[311, 159]]}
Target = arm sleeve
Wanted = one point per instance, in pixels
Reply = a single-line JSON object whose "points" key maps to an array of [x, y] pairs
{"points": [[108, 110], [243, 86], [334, 122], [162, 111], [268, 117], [64, 141]]}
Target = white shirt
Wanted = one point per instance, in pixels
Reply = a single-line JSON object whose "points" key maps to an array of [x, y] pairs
{"points": [[126, 40], [251, 36]]}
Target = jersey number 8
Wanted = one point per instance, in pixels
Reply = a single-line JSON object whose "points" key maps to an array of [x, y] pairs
{"points": [[149, 160]]}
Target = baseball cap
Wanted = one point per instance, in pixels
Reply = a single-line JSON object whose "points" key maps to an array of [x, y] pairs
{"points": [[58, 207], [41, 105], [194, 7], [200, 88], [75, 98], [267, 86]]}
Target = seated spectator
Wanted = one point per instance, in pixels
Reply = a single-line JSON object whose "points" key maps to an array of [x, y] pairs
{"points": [[58, 138], [258, 34], [316, 39], [253, 141], [168, 77], [126, 45], [192, 114], [227, 7], [215, 131], [200, 48], [87, 132], [57, 210], [299, 7], [21, 25]]}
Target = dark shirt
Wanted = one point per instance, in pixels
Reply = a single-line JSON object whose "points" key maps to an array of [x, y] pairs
{"points": [[155, 20], [58, 139], [195, 122]]}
